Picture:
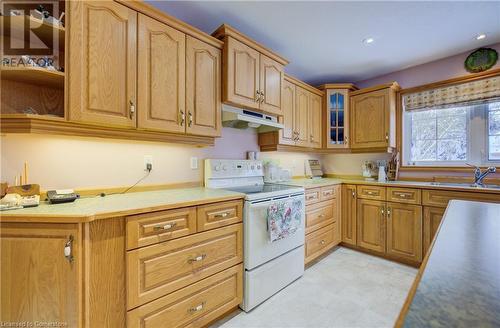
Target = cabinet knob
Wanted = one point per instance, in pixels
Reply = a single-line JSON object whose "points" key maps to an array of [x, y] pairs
{"points": [[190, 119], [382, 210], [322, 242], [387, 136], [68, 249], [353, 194]]}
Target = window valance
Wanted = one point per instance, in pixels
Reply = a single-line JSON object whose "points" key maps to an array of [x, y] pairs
{"points": [[462, 94]]}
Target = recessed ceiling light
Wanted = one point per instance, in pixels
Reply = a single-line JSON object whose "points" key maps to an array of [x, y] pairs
{"points": [[368, 40], [481, 36]]}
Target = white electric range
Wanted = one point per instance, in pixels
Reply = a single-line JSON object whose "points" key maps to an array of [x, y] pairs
{"points": [[269, 266]]}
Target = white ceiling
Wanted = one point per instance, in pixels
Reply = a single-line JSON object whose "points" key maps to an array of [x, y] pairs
{"points": [[323, 40]]}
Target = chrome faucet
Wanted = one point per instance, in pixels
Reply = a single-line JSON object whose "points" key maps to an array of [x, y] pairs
{"points": [[479, 176]]}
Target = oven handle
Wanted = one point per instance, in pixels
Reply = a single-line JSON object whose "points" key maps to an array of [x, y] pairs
{"points": [[276, 198]]}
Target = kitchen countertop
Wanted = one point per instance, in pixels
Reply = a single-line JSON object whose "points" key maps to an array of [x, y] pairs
{"points": [[458, 284], [92, 208], [315, 183]]}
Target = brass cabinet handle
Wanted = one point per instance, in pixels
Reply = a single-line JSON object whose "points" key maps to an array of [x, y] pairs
{"points": [[311, 137], [68, 249], [182, 117], [321, 216], [387, 136], [166, 226], [197, 308], [382, 210], [388, 211], [402, 195], [353, 194], [262, 97], [197, 258], [190, 119], [322, 242], [131, 108], [346, 140], [370, 192], [257, 96], [221, 215], [309, 197]]}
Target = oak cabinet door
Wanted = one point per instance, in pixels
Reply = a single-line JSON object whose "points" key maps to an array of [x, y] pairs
{"points": [[432, 220], [371, 225], [161, 76], [38, 282], [102, 70], [370, 119], [314, 121], [271, 84], [302, 117], [287, 134], [404, 231], [203, 88], [242, 74], [349, 214]]}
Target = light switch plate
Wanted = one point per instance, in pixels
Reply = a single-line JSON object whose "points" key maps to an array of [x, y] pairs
{"points": [[194, 163]]}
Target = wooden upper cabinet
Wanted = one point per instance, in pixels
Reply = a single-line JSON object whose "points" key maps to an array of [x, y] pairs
{"points": [[242, 74], [371, 224], [252, 74], [102, 63], [349, 214], [302, 117], [203, 88], [373, 115], [404, 231], [39, 284], [314, 121], [161, 76], [287, 134], [271, 84]]}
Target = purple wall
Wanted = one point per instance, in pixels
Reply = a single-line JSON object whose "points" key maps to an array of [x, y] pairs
{"points": [[438, 70]]}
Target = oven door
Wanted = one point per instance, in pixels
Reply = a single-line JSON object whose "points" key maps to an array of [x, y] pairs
{"points": [[258, 249]]}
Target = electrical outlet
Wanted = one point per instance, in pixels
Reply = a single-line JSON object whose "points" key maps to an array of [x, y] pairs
{"points": [[148, 162], [194, 163]]}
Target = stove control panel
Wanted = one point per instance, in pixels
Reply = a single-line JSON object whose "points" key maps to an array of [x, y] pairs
{"points": [[230, 168]]}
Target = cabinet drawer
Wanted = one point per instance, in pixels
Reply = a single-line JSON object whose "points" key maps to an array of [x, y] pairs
{"points": [[404, 195], [151, 228], [319, 242], [196, 305], [160, 269], [328, 193], [219, 214], [319, 215], [312, 195], [371, 192], [440, 198]]}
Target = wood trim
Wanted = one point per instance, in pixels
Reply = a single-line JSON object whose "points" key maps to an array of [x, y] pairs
{"points": [[393, 85], [26, 123], [304, 85], [226, 30], [348, 86], [148, 10]]}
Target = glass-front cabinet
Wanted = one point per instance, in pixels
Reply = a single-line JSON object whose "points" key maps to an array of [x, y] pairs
{"points": [[337, 114]]}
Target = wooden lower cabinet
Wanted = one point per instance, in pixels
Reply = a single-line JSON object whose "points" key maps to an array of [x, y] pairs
{"points": [[432, 220], [349, 219], [323, 221], [371, 230], [320, 241], [193, 306], [404, 231], [39, 284]]}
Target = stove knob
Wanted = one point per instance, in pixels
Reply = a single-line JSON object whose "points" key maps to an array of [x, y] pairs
{"points": [[217, 168], [258, 167], [224, 168], [252, 167]]}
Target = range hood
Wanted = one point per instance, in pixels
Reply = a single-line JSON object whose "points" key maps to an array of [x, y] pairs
{"points": [[242, 119]]}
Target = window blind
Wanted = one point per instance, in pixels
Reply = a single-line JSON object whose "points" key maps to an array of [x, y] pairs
{"points": [[463, 94]]}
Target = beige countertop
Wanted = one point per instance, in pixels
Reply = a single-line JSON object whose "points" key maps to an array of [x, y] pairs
{"points": [[321, 182], [92, 208]]}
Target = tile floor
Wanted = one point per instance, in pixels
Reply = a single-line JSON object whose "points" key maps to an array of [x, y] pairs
{"points": [[344, 289]]}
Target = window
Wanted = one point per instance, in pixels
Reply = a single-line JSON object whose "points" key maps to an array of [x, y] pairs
{"points": [[452, 136]]}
